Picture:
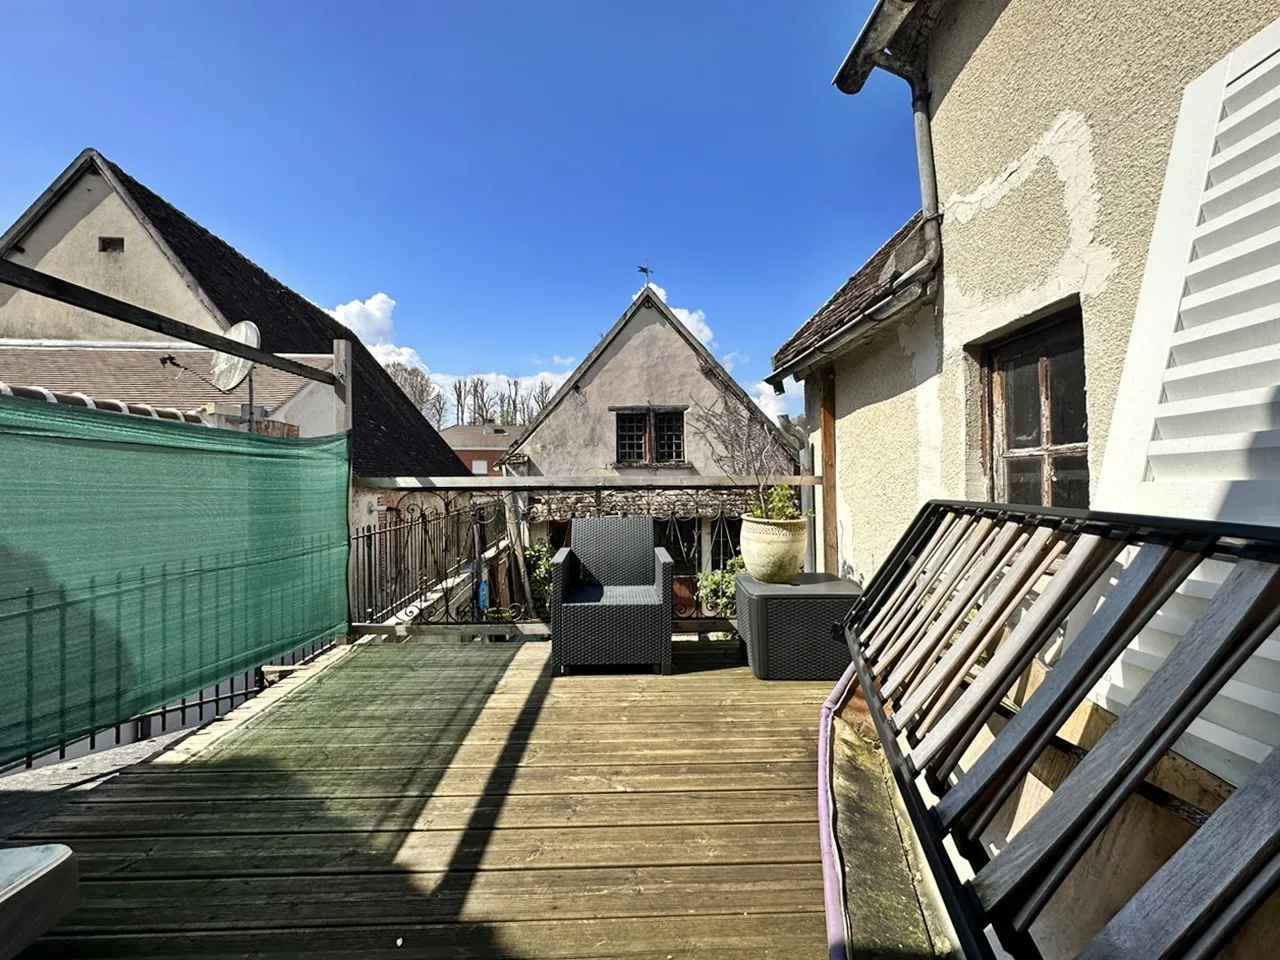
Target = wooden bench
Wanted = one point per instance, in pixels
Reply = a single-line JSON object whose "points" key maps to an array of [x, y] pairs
{"points": [[952, 621], [37, 889]]}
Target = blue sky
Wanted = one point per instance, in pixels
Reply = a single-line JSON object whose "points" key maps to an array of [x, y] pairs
{"points": [[496, 169]]}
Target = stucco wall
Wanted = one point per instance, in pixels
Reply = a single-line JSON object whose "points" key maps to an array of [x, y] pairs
{"points": [[648, 363], [65, 243], [1052, 124], [313, 409], [888, 451]]}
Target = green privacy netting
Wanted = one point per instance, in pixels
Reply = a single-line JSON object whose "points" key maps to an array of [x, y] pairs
{"points": [[143, 560]]}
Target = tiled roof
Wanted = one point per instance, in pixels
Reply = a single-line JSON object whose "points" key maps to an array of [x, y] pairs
{"points": [[134, 374], [870, 284], [390, 437], [469, 436]]}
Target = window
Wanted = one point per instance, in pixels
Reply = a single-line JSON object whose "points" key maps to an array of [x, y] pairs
{"points": [[480, 467], [632, 428], [111, 244], [650, 435], [1039, 424], [669, 429]]}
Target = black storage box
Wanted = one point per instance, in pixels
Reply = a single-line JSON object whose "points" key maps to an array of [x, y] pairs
{"points": [[787, 627]]}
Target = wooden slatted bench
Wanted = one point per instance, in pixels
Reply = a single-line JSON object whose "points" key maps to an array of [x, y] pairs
{"points": [[955, 619]]}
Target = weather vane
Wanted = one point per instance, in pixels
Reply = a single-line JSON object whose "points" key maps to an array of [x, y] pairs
{"points": [[647, 271]]}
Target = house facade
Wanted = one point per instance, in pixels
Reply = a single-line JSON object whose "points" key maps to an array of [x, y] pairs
{"points": [[99, 227], [481, 445], [640, 405], [1083, 314]]}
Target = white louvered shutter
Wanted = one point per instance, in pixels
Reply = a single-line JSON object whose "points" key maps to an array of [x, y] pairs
{"points": [[1196, 429]]}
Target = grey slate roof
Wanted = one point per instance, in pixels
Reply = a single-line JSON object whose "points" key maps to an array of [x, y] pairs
{"points": [[390, 437]]}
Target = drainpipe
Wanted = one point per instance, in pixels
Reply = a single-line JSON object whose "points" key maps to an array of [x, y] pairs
{"points": [[912, 284]]}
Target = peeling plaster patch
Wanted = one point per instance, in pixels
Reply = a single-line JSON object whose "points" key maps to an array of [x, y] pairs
{"points": [[919, 344], [1086, 265]]}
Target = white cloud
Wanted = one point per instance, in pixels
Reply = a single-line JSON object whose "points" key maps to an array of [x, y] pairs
{"points": [[732, 359], [386, 353], [370, 320], [560, 361], [695, 320], [790, 402]]}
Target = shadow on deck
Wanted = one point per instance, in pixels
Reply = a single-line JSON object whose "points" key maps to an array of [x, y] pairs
{"points": [[454, 800]]}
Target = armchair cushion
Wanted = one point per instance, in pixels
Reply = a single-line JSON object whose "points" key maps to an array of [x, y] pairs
{"points": [[619, 596]]}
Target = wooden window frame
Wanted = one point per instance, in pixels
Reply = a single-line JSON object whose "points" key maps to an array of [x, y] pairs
{"points": [[650, 458], [1064, 326]]}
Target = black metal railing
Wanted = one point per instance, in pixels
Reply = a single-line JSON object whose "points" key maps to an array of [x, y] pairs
{"points": [[480, 556]]}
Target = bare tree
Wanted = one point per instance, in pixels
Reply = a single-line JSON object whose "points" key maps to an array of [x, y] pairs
{"points": [[742, 443], [541, 395], [482, 406], [420, 389], [435, 408], [460, 401]]}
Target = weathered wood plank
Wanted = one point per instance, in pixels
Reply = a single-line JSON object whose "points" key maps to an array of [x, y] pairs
{"points": [[949, 574], [778, 936], [1241, 614], [439, 851], [167, 812], [955, 730], [374, 717], [1164, 917], [454, 811], [544, 732], [990, 617], [1001, 766], [1009, 542], [498, 894], [990, 634], [531, 752], [908, 581], [875, 644]]}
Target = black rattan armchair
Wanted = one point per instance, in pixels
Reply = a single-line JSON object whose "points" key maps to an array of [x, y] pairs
{"points": [[611, 596]]}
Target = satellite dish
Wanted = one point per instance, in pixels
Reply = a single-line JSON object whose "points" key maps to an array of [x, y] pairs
{"points": [[227, 371]]}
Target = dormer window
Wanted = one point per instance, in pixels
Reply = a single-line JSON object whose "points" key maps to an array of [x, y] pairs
{"points": [[111, 244]]}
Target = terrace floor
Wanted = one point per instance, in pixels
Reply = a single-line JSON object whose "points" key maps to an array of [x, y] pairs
{"points": [[445, 800]]}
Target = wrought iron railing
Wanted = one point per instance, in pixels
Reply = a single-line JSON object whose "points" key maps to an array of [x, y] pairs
{"points": [[474, 552]]}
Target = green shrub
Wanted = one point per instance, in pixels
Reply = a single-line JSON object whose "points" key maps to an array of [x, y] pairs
{"points": [[537, 559], [779, 504], [717, 588]]}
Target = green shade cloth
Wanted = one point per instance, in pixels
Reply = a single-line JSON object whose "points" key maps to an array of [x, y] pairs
{"points": [[142, 560]]}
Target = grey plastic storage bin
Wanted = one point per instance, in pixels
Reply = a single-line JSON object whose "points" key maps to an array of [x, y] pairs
{"points": [[787, 627]]}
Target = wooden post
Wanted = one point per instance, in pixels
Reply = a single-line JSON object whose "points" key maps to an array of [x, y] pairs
{"points": [[342, 388], [827, 382]]}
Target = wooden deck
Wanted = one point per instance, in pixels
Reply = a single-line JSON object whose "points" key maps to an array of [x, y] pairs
{"points": [[452, 800]]}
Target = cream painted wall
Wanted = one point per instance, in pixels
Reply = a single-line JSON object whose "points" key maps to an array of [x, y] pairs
{"points": [[648, 363], [1052, 124], [65, 243], [889, 444]]}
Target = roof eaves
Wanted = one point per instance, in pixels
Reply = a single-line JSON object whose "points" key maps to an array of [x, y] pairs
{"points": [[876, 34]]}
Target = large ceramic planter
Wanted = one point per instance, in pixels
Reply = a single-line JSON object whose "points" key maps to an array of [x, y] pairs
{"points": [[773, 550]]}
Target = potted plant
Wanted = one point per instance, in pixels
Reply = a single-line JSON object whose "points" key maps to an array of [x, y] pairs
{"points": [[774, 536], [745, 444]]}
